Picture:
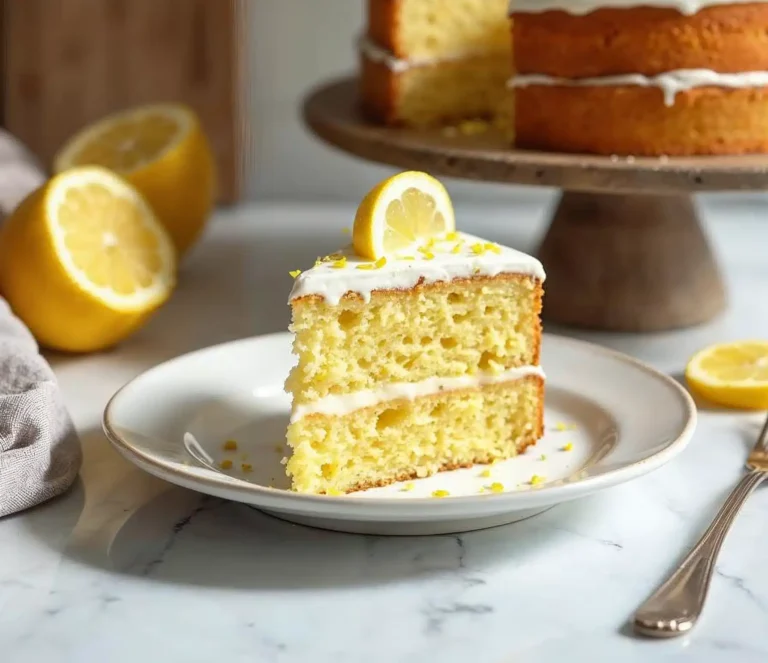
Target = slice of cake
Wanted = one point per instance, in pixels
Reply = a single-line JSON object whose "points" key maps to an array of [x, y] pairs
{"points": [[665, 77], [425, 358], [428, 62]]}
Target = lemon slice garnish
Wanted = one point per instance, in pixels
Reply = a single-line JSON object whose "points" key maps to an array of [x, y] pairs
{"points": [[400, 214], [731, 374], [84, 261]]}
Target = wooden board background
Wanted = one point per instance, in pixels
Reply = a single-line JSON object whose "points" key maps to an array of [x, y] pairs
{"points": [[69, 62]]}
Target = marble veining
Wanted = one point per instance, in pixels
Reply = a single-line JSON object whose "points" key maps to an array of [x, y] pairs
{"points": [[126, 568]]}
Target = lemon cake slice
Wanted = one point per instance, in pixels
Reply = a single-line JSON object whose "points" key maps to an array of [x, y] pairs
{"points": [[422, 360]]}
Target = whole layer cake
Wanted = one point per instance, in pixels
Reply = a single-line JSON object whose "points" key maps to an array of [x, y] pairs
{"points": [[418, 362], [661, 77], [431, 62]]}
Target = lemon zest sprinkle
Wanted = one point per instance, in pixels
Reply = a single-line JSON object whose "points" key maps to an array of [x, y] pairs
{"points": [[346, 231], [456, 248], [407, 488], [451, 236], [408, 258], [366, 266], [543, 457], [497, 487], [493, 248], [440, 493], [295, 273], [568, 447], [341, 263], [536, 479], [485, 474], [380, 262], [478, 248]]}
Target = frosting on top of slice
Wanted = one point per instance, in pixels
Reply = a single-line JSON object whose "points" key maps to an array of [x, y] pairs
{"points": [[687, 7], [458, 255]]}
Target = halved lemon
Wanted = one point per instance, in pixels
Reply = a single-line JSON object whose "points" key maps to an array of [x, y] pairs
{"points": [[160, 149], [731, 374], [84, 261], [401, 213]]}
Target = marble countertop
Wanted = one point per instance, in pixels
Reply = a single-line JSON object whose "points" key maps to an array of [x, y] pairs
{"points": [[127, 568]]}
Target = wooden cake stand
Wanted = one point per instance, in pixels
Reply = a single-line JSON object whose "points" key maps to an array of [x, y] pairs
{"points": [[625, 250]]}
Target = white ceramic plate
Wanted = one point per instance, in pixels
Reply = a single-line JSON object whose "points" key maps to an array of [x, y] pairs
{"points": [[621, 417]]}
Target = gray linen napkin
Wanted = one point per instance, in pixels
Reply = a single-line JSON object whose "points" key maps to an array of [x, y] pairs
{"points": [[40, 453]]}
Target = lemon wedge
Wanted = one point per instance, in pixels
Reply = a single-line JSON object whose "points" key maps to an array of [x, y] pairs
{"points": [[731, 374], [84, 261], [162, 150], [401, 213]]}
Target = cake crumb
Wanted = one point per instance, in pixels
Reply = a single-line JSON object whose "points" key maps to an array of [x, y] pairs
{"points": [[497, 487], [473, 127], [568, 447], [536, 479], [278, 448], [630, 159], [226, 464], [450, 132], [295, 273], [485, 474], [440, 493], [246, 467], [230, 445]]}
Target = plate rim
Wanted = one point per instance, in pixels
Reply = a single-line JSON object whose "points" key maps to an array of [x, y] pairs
{"points": [[277, 498]]}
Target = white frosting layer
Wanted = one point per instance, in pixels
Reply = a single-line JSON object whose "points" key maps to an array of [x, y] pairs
{"points": [[348, 403], [400, 274], [670, 83], [580, 7], [376, 53]]}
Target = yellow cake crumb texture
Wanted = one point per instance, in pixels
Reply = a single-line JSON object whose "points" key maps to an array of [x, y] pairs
{"points": [[230, 445]]}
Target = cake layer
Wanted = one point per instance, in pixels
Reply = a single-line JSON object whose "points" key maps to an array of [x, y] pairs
{"points": [[446, 329], [403, 439], [398, 92], [418, 29], [642, 40], [634, 120]]}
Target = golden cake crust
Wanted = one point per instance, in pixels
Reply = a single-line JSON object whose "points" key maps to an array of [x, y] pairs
{"points": [[634, 120], [645, 40], [521, 445], [383, 25]]}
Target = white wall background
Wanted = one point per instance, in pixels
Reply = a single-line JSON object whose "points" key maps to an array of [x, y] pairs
{"points": [[293, 45]]}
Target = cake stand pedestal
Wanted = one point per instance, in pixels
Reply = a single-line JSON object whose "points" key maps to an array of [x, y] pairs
{"points": [[625, 250]]}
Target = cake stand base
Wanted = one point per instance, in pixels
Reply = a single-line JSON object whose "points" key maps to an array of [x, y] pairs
{"points": [[629, 262]]}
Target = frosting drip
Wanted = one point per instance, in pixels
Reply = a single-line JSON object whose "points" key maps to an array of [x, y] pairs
{"points": [[670, 83], [347, 403], [376, 53], [580, 7], [463, 257]]}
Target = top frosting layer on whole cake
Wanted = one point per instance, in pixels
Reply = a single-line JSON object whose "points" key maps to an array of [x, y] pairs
{"points": [[457, 256], [688, 7]]}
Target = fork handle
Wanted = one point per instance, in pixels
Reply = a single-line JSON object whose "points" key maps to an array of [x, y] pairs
{"points": [[675, 607]]}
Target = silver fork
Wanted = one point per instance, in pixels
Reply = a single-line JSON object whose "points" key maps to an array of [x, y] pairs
{"points": [[675, 607]]}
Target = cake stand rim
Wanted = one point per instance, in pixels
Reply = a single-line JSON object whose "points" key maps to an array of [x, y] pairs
{"points": [[331, 111]]}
